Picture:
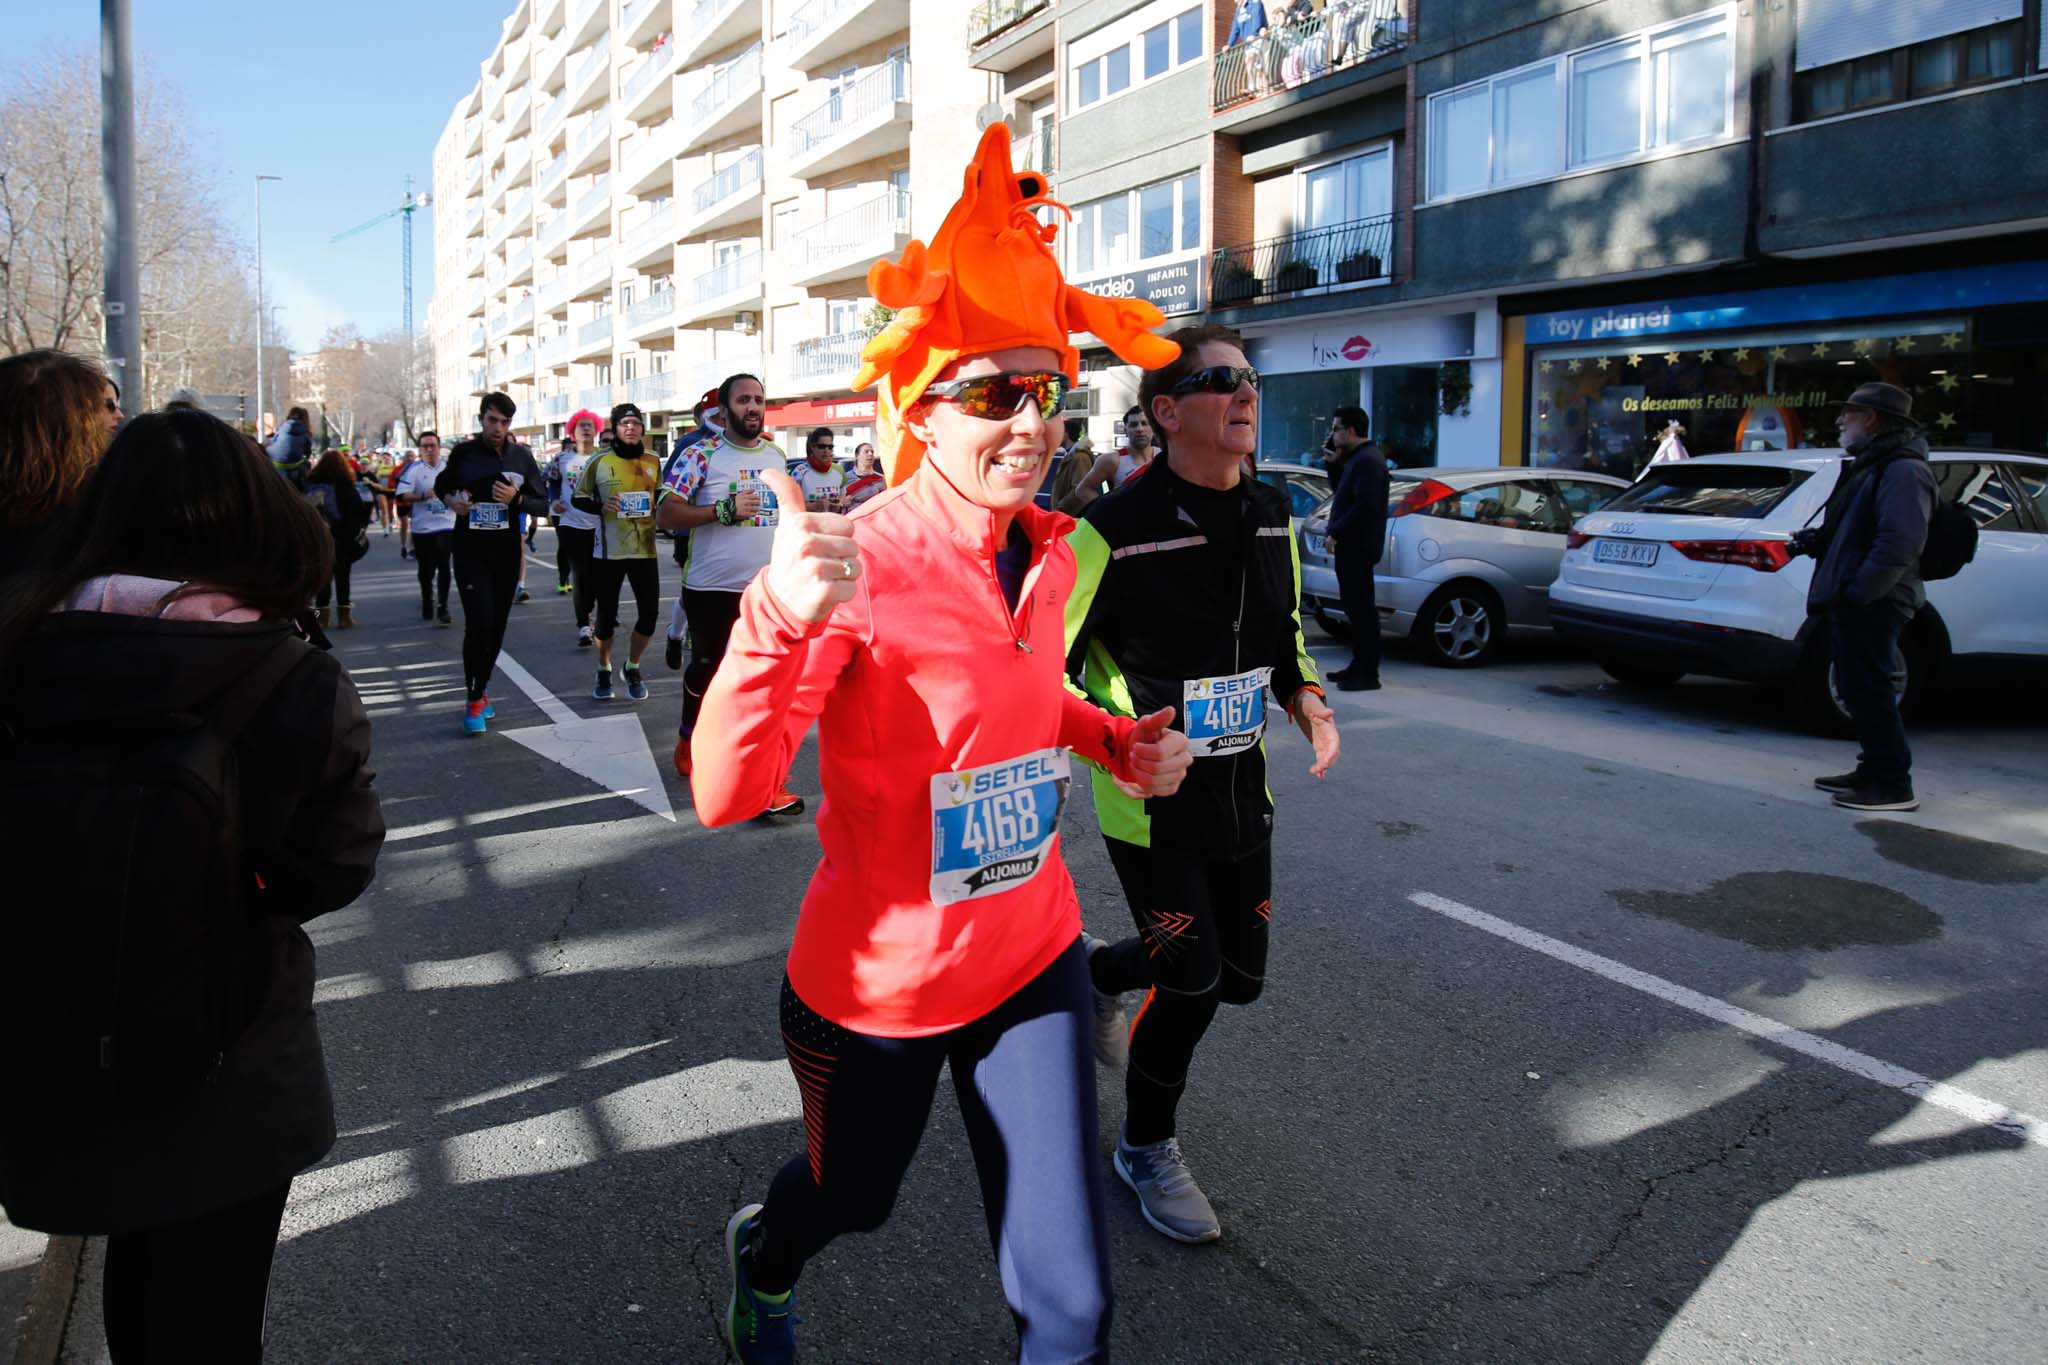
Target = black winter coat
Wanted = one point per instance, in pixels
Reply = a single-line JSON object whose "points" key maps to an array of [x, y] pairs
{"points": [[314, 829], [1358, 514], [1876, 528]]}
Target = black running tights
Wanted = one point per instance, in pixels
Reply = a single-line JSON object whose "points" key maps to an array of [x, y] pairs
{"points": [[1202, 929], [485, 577]]}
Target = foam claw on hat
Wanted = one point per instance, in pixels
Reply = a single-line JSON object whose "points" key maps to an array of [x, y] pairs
{"points": [[988, 281]]}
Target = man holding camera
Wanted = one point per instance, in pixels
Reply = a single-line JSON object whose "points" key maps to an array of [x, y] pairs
{"points": [[1868, 585]]}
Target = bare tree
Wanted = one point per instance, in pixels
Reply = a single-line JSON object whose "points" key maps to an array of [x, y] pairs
{"points": [[198, 312], [399, 373]]}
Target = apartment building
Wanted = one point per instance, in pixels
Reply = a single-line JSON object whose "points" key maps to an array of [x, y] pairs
{"points": [[1522, 232], [637, 199]]}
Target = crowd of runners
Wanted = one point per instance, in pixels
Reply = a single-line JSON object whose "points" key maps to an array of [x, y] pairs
{"points": [[957, 644]]}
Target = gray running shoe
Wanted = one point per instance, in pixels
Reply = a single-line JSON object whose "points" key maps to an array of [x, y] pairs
{"points": [[1167, 1193], [1112, 1035]]}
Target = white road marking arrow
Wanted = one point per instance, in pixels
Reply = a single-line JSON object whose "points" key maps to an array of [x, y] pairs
{"points": [[610, 750]]}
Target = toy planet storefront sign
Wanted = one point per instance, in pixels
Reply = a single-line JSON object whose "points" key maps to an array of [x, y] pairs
{"points": [[1769, 370], [1175, 288]]}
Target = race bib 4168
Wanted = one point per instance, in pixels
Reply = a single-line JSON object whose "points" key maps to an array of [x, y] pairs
{"points": [[993, 826]]}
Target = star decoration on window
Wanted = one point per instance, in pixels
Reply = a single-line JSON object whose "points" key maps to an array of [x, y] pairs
{"points": [[1741, 354], [1671, 357], [1949, 383], [1820, 350], [1543, 367], [1778, 352], [1904, 345], [1865, 346], [1951, 340], [1636, 359], [1576, 366], [1945, 421], [1706, 357]]}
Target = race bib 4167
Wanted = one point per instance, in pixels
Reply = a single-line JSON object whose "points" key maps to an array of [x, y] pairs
{"points": [[1225, 715], [993, 826]]}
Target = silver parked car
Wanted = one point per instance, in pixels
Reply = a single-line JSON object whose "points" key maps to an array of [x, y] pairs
{"points": [[1470, 555], [1306, 487]]}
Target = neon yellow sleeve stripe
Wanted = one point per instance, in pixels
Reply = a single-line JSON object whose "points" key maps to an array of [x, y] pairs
{"points": [[1301, 654]]}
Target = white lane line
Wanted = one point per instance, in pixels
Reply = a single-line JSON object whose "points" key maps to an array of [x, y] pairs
{"points": [[1926, 1089], [555, 709]]}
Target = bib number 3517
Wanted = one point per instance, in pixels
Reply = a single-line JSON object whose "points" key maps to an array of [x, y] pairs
{"points": [[993, 826]]}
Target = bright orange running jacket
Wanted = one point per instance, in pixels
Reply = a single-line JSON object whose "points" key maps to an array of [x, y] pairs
{"points": [[925, 672]]}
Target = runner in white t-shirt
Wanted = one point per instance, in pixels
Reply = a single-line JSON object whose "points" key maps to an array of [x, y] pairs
{"points": [[433, 527], [821, 477], [714, 492]]}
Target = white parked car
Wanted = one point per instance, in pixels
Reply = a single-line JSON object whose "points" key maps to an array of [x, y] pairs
{"points": [[1688, 572]]}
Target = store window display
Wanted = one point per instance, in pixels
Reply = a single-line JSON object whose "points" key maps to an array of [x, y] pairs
{"points": [[1611, 406]]}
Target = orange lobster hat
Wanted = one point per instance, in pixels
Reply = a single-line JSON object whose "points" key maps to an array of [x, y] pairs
{"points": [[988, 281]]}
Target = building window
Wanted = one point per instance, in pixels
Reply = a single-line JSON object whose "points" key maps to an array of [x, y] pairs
{"points": [[1935, 67], [1149, 223], [1670, 86], [1154, 42], [1352, 190]]}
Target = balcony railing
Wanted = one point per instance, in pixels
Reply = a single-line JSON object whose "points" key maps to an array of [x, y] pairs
{"points": [[728, 182], [1342, 254], [552, 172], [598, 397], [630, 13], [597, 329], [991, 17], [476, 339], [738, 273], [522, 311], [737, 77], [814, 17], [659, 304], [598, 194], [865, 229], [584, 69], [649, 389], [872, 91], [596, 129], [554, 407], [479, 380], [1345, 34], [554, 351], [832, 357], [657, 65], [650, 229]]}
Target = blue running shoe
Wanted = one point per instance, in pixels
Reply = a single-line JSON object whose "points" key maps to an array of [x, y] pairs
{"points": [[474, 718], [760, 1328], [635, 688], [490, 711], [603, 690]]}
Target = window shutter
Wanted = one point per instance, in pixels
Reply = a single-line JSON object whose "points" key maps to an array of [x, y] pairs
{"points": [[1833, 31]]}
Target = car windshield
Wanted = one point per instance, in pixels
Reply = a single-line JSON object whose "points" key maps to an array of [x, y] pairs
{"points": [[1710, 490]]}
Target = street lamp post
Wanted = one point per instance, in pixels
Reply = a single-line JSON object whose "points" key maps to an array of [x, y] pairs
{"points": [[260, 315], [121, 285]]}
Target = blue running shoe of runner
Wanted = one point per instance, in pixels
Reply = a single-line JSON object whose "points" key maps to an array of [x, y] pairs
{"points": [[603, 690], [1167, 1193], [473, 718], [490, 708], [760, 1328], [635, 688]]}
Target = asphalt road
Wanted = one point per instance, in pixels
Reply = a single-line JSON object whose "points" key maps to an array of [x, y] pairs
{"points": [[552, 1030]]}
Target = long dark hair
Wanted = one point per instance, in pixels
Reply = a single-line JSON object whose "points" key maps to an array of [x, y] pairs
{"points": [[53, 420], [183, 496]]}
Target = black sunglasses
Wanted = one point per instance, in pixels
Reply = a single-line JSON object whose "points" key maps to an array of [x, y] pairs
{"points": [[1218, 379], [997, 397]]}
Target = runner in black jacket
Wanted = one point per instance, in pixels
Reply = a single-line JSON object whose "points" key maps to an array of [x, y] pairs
{"points": [[488, 481], [1188, 595]]}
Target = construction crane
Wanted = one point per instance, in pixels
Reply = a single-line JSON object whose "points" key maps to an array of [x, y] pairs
{"points": [[413, 204]]}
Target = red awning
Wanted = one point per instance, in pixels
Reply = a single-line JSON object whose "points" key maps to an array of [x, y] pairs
{"points": [[840, 412]]}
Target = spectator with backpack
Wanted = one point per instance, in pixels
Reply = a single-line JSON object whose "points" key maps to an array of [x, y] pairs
{"points": [[331, 488], [291, 449], [57, 413], [1869, 585], [164, 728]]}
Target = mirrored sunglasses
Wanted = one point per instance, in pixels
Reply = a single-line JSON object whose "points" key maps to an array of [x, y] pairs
{"points": [[997, 397], [1218, 379]]}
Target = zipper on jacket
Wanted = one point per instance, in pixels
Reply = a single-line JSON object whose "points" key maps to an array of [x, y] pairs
{"points": [[1244, 561]]}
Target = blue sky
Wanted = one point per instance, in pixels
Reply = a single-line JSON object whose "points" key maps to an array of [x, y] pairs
{"points": [[342, 99]]}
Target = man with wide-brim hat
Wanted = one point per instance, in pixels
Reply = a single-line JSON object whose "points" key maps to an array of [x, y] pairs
{"points": [[1868, 585]]}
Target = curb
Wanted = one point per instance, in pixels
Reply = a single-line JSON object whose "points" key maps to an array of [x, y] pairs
{"points": [[49, 1303]]}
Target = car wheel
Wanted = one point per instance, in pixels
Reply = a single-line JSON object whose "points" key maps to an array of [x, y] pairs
{"points": [[1819, 700], [1460, 626], [1332, 627], [1635, 673]]}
